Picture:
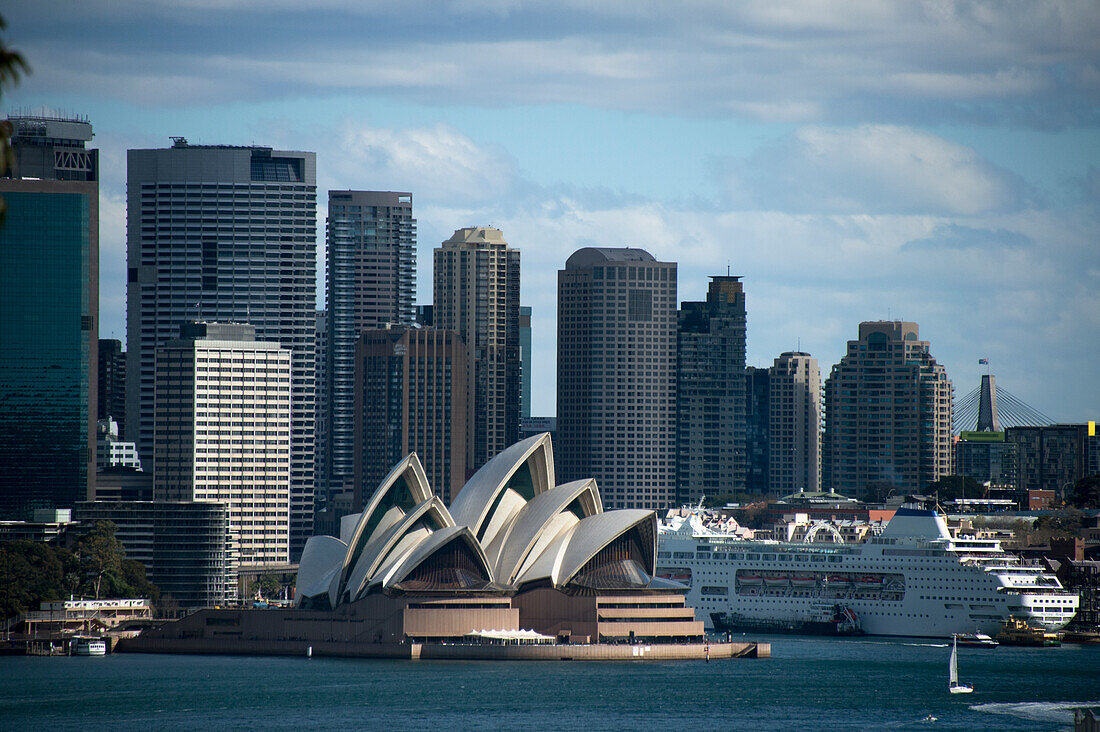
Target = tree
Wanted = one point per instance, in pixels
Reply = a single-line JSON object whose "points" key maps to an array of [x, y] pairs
{"points": [[266, 586], [1086, 492], [30, 572], [100, 555], [12, 66]]}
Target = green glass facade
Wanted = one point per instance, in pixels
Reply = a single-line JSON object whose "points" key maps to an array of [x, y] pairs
{"points": [[48, 252]]}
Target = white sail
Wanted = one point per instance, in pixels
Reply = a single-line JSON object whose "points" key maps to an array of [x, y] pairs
{"points": [[953, 665]]}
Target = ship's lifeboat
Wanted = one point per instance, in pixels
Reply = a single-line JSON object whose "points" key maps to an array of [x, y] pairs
{"points": [[749, 579], [776, 580], [804, 580], [838, 579], [870, 582]]}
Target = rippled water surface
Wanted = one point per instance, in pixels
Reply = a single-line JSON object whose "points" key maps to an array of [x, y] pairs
{"points": [[809, 683]]}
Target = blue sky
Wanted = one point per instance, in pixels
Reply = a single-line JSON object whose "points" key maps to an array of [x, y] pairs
{"points": [[930, 161]]}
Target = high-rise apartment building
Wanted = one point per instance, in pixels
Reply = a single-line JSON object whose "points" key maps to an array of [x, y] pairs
{"points": [[111, 388], [224, 233], [410, 396], [49, 317], [887, 414], [710, 392], [476, 294], [371, 282], [757, 395], [794, 424], [223, 432], [617, 375], [1052, 457]]}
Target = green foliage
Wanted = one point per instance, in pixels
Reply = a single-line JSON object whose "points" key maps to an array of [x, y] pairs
{"points": [[100, 555], [1086, 492], [268, 586], [29, 573]]}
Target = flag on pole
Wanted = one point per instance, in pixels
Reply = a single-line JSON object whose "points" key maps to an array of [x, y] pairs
{"points": [[983, 360]]}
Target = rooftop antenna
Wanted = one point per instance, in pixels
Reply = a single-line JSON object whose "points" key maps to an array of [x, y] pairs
{"points": [[727, 268]]}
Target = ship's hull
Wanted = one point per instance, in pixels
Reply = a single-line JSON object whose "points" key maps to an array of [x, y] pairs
{"points": [[733, 623]]}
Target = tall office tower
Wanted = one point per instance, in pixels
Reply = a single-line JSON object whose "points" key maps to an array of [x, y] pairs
{"points": [[476, 294], [525, 362], [794, 424], [49, 317], [887, 414], [617, 375], [757, 412], [111, 385], [223, 432], [223, 233], [371, 282], [710, 393], [322, 458], [410, 396]]}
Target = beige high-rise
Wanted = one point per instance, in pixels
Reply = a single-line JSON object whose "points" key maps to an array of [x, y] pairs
{"points": [[887, 414], [794, 424], [476, 294], [222, 432]]}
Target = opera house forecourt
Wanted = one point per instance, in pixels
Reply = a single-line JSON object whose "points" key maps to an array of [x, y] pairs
{"points": [[517, 567]]}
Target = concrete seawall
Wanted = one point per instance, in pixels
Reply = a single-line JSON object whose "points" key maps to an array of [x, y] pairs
{"points": [[456, 651]]}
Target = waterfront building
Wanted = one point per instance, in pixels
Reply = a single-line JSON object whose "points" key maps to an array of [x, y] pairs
{"points": [[184, 546], [370, 283], [227, 234], [49, 307], [617, 375], [1051, 458], [112, 451], [45, 525], [514, 550], [525, 364], [223, 430], [111, 384], [757, 459], [887, 414], [710, 393], [410, 397], [476, 294], [794, 424]]}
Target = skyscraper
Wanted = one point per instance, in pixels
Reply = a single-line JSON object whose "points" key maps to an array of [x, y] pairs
{"points": [[224, 233], [757, 412], [617, 375], [887, 414], [222, 435], [410, 396], [49, 317], [111, 388], [710, 392], [525, 362], [794, 424], [371, 282], [476, 294]]}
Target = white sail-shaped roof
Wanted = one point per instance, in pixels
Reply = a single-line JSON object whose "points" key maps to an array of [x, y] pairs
{"points": [[320, 559], [566, 556], [496, 492], [427, 548], [538, 523]]}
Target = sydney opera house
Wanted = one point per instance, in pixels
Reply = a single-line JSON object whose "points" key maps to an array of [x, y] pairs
{"points": [[514, 550], [514, 553]]}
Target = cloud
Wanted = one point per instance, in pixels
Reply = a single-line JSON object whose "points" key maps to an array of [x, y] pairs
{"points": [[886, 61], [956, 236], [875, 169]]}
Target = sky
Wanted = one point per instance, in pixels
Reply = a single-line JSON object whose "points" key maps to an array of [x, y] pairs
{"points": [[932, 161]]}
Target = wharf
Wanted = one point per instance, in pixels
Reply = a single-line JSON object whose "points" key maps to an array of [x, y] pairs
{"points": [[451, 651]]}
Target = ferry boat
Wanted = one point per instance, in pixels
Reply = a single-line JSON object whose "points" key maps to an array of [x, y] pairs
{"points": [[84, 645], [913, 579], [1017, 632]]}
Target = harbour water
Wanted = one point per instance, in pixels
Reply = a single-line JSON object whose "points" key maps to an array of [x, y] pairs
{"points": [[809, 683]]}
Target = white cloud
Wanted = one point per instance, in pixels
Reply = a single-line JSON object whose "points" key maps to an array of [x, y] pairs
{"points": [[872, 168]]}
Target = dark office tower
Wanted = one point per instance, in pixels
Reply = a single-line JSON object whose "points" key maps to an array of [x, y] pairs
{"points": [[323, 461], [710, 393], [371, 281], [617, 375], [224, 233], [757, 410], [49, 317], [111, 390], [794, 424], [887, 415], [525, 362], [476, 294], [410, 396]]}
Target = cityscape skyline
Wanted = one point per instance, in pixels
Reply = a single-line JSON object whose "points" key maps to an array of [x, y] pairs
{"points": [[963, 199]]}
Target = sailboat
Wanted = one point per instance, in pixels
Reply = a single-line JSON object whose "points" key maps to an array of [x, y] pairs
{"points": [[953, 671]]}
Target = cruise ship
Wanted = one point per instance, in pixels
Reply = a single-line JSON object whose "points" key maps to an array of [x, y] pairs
{"points": [[914, 578]]}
